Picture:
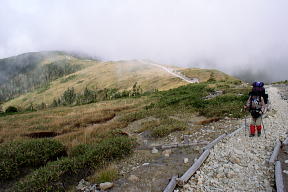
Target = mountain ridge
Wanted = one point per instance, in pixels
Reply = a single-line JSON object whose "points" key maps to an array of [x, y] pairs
{"points": [[121, 75]]}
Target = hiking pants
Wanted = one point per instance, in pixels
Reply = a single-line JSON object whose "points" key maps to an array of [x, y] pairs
{"points": [[255, 122]]}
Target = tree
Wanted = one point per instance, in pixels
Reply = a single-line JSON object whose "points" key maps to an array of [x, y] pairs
{"points": [[69, 96]]}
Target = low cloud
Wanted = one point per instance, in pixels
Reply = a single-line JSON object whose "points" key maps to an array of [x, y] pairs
{"points": [[238, 37]]}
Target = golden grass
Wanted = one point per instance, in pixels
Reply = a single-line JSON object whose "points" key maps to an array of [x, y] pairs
{"points": [[205, 74], [121, 75], [75, 125], [107, 174]]}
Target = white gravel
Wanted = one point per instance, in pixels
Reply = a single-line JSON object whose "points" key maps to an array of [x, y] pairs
{"points": [[238, 163]]}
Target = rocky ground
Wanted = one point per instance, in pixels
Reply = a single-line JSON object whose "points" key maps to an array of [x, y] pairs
{"points": [[149, 170], [239, 163]]}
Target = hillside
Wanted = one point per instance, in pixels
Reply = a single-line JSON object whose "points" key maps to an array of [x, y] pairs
{"points": [[120, 75], [27, 72], [111, 139]]}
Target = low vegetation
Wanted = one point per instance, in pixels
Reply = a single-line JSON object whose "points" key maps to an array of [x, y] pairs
{"points": [[70, 97], [85, 123], [281, 82], [108, 174], [51, 177], [215, 99], [27, 153]]}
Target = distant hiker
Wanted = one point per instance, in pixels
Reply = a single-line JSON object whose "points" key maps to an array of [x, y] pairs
{"points": [[256, 106]]}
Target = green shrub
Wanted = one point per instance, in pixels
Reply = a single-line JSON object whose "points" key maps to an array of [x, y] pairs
{"points": [[51, 176], [182, 95], [69, 96], [27, 153], [224, 105], [11, 109]]}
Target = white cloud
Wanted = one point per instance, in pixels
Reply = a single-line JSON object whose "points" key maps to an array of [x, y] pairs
{"points": [[221, 33]]}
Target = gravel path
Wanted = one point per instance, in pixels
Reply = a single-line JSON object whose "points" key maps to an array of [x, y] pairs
{"points": [[238, 163]]}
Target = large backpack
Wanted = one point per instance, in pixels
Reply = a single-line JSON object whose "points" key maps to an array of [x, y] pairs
{"points": [[258, 88]]}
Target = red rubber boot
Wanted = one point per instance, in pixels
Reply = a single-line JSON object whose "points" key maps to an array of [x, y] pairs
{"points": [[252, 130]]}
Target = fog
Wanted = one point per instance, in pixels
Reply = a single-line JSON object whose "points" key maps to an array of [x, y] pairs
{"points": [[241, 37]]}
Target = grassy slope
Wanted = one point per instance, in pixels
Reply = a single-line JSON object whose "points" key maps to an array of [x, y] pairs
{"points": [[78, 124], [119, 74], [205, 74], [95, 123]]}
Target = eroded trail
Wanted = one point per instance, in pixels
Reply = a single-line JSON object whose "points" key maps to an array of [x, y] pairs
{"points": [[238, 163]]}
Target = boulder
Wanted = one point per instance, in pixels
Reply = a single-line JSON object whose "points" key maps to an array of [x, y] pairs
{"points": [[105, 186]]}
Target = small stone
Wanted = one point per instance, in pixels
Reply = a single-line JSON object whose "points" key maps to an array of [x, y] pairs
{"points": [[220, 175], [106, 185], [154, 150], [186, 160], [285, 171], [239, 152], [234, 160], [230, 174], [286, 161], [82, 185], [145, 164], [133, 178], [167, 152], [200, 181]]}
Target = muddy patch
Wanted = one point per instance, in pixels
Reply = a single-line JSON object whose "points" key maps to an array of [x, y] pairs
{"points": [[42, 134]]}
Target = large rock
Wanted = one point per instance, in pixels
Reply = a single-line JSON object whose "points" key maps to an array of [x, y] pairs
{"points": [[106, 185]]}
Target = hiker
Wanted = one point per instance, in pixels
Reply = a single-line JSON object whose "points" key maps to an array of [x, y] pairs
{"points": [[256, 106], [259, 88]]}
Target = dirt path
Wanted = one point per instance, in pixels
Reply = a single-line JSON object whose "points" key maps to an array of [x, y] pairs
{"points": [[238, 163], [173, 72]]}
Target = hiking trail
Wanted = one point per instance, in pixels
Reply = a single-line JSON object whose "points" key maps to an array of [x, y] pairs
{"points": [[238, 163], [172, 72]]}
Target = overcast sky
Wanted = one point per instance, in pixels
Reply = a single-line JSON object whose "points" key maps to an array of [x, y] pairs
{"points": [[231, 35]]}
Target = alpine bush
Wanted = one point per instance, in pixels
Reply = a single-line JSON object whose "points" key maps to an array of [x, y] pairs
{"points": [[27, 153], [51, 176]]}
